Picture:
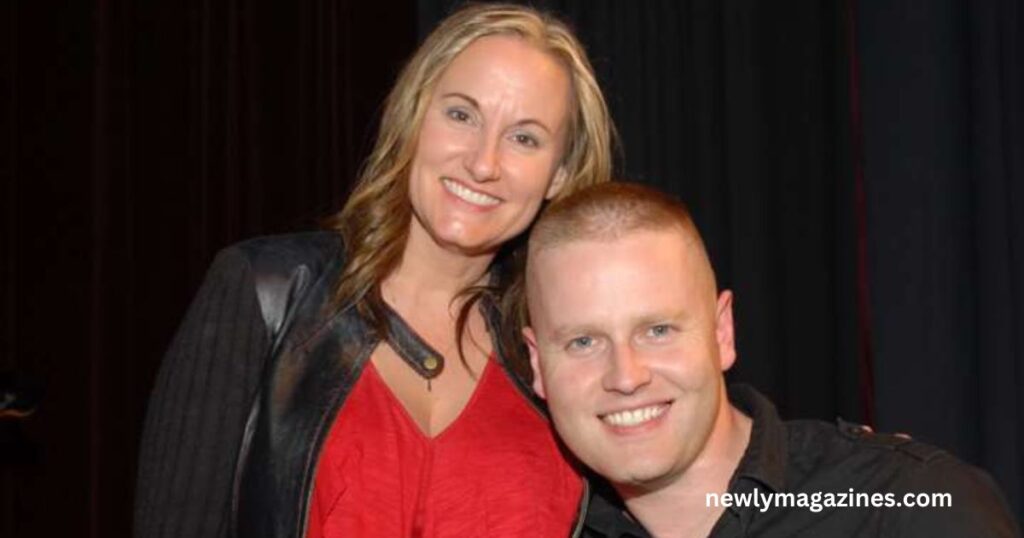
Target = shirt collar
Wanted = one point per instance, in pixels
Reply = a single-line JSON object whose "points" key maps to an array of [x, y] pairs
{"points": [[607, 516], [764, 460]]}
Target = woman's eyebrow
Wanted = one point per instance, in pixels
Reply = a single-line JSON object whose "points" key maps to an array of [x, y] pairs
{"points": [[462, 96], [473, 102], [531, 121]]}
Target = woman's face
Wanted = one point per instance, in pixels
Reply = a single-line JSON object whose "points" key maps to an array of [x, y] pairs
{"points": [[490, 146]]}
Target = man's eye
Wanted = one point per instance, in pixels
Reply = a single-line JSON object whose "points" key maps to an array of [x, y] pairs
{"points": [[660, 331], [581, 343]]}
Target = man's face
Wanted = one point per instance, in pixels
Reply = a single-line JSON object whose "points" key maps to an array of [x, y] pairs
{"points": [[628, 344]]}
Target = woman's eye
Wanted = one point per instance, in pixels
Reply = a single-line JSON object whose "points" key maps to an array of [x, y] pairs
{"points": [[458, 115], [525, 140]]}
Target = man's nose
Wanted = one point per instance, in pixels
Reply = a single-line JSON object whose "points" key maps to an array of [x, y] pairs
{"points": [[627, 372]]}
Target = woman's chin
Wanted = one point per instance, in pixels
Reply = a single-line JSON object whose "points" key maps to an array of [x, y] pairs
{"points": [[457, 236], [470, 247]]}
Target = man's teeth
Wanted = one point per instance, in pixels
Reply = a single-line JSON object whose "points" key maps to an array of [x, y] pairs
{"points": [[468, 195], [635, 416]]}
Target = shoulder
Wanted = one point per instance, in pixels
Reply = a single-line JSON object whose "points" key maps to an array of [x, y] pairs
{"points": [[313, 249], [262, 260], [963, 499], [283, 271], [817, 446], [814, 442], [950, 497]]}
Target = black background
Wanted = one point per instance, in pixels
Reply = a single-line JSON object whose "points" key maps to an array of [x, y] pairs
{"points": [[857, 169]]}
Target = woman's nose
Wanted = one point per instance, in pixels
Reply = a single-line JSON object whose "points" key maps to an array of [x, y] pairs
{"points": [[485, 160]]}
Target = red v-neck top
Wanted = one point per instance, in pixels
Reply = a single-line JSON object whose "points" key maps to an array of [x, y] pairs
{"points": [[496, 471]]}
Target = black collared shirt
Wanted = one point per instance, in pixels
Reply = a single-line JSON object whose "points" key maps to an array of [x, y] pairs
{"points": [[822, 477]]}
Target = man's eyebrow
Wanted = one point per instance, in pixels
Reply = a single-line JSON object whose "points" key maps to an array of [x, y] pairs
{"points": [[563, 332], [679, 316], [476, 105]]}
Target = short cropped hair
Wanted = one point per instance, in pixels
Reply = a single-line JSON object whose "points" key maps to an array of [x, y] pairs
{"points": [[603, 212], [606, 212]]}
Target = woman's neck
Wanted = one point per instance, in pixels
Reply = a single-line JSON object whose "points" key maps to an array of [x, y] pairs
{"points": [[428, 273]]}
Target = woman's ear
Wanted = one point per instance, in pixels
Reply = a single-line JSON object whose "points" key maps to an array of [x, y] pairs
{"points": [[557, 182]]}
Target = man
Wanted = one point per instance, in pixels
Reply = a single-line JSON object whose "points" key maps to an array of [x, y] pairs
{"points": [[629, 340]]}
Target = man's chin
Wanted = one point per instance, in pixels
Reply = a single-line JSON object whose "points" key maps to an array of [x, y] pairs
{"points": [[637, 481]]}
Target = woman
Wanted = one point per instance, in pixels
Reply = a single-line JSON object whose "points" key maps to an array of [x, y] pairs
{"points": [[357, 383]]}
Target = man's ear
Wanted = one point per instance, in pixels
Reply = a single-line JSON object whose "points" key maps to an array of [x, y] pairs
{"points": [[557, 182], [724, 331], [531, 344]]}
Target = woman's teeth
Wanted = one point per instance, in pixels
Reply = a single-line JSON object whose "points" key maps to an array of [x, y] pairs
{"points": [[471, 196]]}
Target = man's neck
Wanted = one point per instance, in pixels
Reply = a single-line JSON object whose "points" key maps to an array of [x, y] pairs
{"points": [[680, 509]]}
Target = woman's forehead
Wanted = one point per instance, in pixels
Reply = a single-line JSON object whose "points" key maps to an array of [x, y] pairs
{"points": [[507, 65]]}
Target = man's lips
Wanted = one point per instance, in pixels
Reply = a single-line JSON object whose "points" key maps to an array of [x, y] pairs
{"points": [[635, 416]]}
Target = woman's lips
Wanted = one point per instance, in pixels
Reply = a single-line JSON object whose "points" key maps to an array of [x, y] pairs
{"points": [[469, 195]]}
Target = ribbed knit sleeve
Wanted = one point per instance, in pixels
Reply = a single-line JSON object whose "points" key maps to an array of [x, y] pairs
{"points": [[198, 408]]}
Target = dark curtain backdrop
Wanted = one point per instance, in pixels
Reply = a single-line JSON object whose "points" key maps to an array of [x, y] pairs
{"points": [[741, 109], [139, 138], [943, 122]]}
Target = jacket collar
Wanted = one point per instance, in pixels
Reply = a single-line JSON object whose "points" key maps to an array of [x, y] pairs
{"points": [[317, 354]]}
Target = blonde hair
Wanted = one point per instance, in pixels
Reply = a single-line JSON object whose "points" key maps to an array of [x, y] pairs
{"points": [[375, 220]]}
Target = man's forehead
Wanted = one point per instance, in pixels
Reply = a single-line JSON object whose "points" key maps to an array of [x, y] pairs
{"points": [[672, 267], [661, 259], [618, 320], [562, 254]]}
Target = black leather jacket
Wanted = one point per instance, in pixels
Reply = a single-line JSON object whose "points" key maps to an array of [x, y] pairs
{"points": [[315, 355]]}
